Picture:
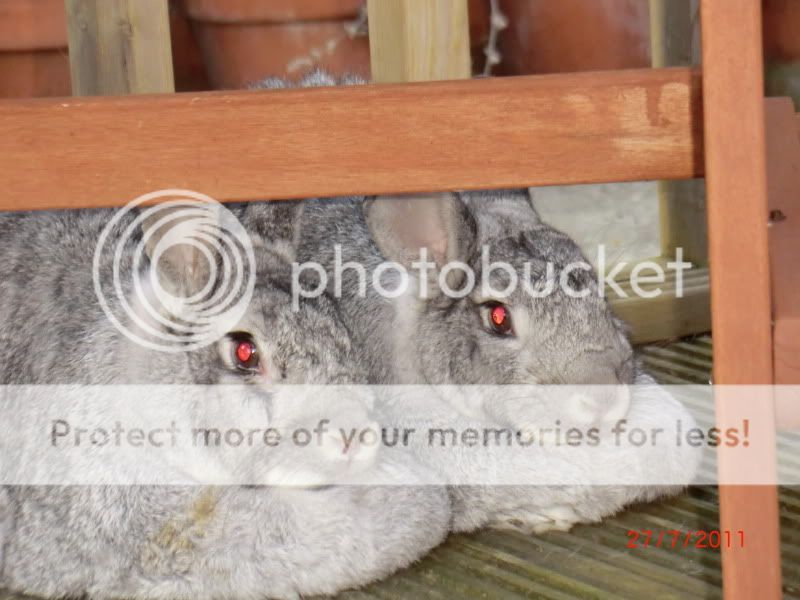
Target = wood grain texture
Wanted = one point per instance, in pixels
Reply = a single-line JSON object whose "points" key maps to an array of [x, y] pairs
{"points": [[675, 42], [783, 170], [119, 47], [509, 132], [419, 40], [740, 283]]}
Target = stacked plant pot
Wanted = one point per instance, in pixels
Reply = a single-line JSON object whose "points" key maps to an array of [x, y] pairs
{"points": [[33, 49], [246, 40], [188, 66], [782, 48], [545, 36]]}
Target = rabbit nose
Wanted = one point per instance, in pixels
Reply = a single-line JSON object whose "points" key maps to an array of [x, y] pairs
{"points": [[599, 396], [600, 403], [351, 444]]}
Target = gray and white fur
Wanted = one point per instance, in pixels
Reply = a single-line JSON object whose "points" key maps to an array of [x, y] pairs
{"points": [[438, 339], [189, 541]]}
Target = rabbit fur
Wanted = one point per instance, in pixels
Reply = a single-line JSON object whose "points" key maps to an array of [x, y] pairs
{"points": [[430, 338], [192, 541]]}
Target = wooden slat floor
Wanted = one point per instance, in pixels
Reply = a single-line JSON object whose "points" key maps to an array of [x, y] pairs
{"points": [[592, 561]]}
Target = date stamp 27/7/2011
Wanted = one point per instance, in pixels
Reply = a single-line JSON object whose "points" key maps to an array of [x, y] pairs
{"points": [[673, 538]]}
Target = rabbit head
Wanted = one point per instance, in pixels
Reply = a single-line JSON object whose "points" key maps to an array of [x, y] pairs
{"points": [[149, 541], [286, 352], [267, 346], [480, 337], [265, 342], [552, 327]]}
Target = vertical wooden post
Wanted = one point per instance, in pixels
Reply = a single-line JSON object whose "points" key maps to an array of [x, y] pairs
{"points": [[119, 47], [419, 40], [733, 100], [674, 41]]}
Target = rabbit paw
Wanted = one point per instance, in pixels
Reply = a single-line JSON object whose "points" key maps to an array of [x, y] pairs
{"points": [[351, 449], [332, 458], [555, 518]]}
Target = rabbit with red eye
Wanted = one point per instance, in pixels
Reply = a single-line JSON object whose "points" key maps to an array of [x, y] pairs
{"points": [[474, 336], [480, 337], [489, 337], [194, 541], [494, 339]]}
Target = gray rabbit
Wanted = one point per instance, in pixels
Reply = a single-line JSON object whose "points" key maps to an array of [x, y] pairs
{"points": [[553, 340], [188, 541], [418, 334]]}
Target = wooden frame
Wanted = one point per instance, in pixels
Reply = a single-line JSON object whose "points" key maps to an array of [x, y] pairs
{"points": [[674, 41], [597, 127], [119, 47], [674, 34], [736, 181], [515, 132], [783, 170], [419, 40]]}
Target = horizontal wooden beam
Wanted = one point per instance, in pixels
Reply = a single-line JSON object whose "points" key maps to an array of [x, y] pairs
{"points": [[490, 133]]}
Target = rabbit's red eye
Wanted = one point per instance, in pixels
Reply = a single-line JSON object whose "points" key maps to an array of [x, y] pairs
{"points": [[245, 352], [500, 319]]}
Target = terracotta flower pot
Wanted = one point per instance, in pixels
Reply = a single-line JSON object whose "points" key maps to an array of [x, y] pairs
{"points": [[33, 49], [246, 40], [782, 48], [781, 22], [574, 35], [187, 59], [479, 16]]}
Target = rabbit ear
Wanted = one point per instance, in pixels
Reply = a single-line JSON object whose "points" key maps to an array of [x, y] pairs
{"points": [[507, 211], [402, 225], [178, 244]]}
